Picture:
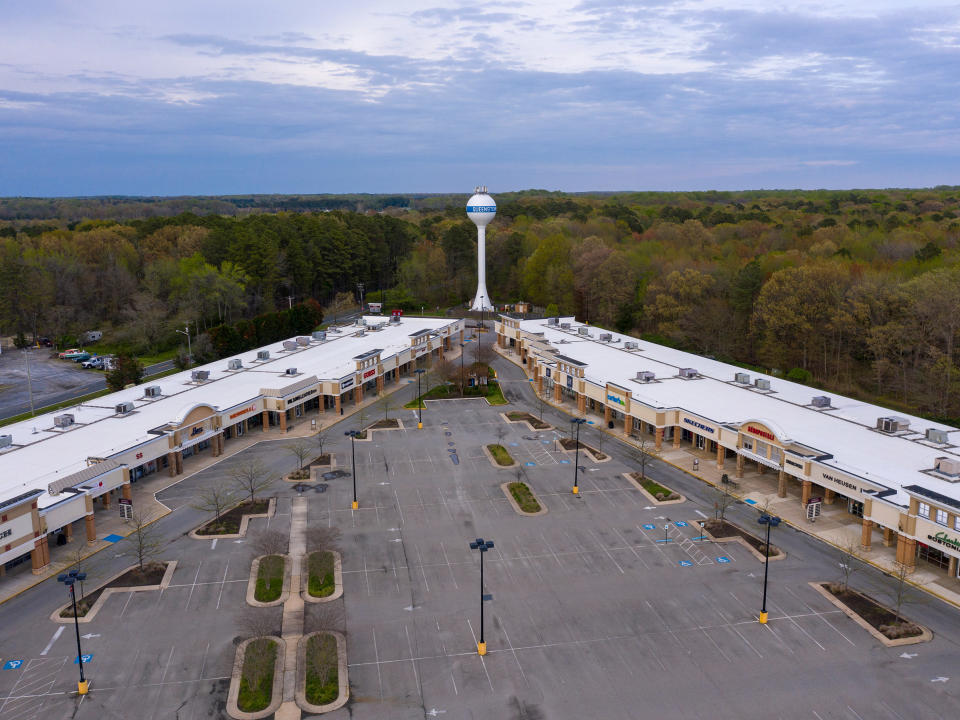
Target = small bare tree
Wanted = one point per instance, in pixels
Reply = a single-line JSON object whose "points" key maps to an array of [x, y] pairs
{"points": [[647, 451], [215, 498], [270, 542], [483, 353], [386, 403], [261, 625], [850, 549], [723, 502], [250, 477], [321, 437], [144, 540], [82, 564], [541, 403], [322, 538], [300, 450], [901, 588], [501, 434]]}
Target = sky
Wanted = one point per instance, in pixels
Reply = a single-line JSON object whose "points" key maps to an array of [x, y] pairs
{"points": [[402, 96]]}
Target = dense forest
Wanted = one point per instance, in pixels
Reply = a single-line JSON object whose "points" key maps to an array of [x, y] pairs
{"points": [[855, 291]]}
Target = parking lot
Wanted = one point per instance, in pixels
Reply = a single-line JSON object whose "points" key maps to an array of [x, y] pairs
{"points": [[606, 606]]}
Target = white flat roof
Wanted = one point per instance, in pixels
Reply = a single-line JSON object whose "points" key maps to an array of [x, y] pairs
{"points": [[46, 453], [845, 430]]}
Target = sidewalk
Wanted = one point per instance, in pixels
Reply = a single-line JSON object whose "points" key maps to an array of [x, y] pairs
{"points": [[834, 526]]}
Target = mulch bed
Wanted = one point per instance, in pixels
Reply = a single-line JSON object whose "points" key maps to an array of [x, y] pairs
{"points": [[535, 422], [152, 574], [883, 620], [390, 424], [229, 523], [321, 459], [724, 528], [568, 444]]}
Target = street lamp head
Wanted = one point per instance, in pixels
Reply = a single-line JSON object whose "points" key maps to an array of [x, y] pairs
{"points": [[481, 545], [771, 520], [578, 421], [419, 371]]}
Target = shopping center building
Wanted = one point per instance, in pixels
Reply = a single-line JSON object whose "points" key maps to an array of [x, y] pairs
{"points": [[898, 473], [57, 471]]}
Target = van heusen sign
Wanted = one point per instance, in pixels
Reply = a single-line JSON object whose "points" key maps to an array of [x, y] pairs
{"points": [[943, 539], [698, 425]]}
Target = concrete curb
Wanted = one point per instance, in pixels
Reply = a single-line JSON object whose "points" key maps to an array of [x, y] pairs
{"points": [[780, 555], [495, 464], [252, 584], [342, 679], [95, 608], [244, 521], [276, 698], [337, 579], [513, 502], [925, 636], [651, 498], [527, 423]]}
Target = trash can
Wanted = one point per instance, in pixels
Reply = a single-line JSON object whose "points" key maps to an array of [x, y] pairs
{"points": [[610, 424], [696, 464]]}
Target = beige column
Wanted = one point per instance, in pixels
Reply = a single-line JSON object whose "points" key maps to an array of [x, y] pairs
{"points": [[658, 438], [379, 383], [606, 415], [179, 458], [887, 537], [172, 463], [866, 535], [676, 436], [782, 484], [907, 551], [628, 425], [105, 499], [761, 468], [557, 392], [321, 404], [68, 532], [952, 567], [126, 491], [246, 424], [539, 384], [581, 403], [357, 394], [91, 530], [336, 404], [693, 440], [265, 420], [805, 493], [721, 454], [283, 421], [739, 465], [40, 556], [829, 496]]}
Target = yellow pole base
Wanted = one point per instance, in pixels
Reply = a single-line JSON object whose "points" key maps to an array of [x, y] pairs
{"points": [[576, 490], [419, 426], [482, 648], [355, 505], [83, 687], [763, 618]]}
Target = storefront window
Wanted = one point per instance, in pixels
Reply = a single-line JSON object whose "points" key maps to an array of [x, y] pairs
{"points": [[855, 508], [747, 444], [942, 517], [933, 556], [924, 510]]}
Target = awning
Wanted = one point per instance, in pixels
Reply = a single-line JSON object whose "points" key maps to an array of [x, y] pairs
{"points": [[760, 459]]}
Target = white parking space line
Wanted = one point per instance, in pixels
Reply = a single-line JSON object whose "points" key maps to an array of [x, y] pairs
{"points": [[399, 508], [376, 656], [366, 575], [603, 547], [449, 567], [222, 583], [513, 650], [799, 627], [57, 633], [422, 571], [830, 624], [194, 585], [482, 661], [413, 662]]}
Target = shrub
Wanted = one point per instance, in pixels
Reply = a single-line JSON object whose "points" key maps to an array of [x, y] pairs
{"points": [[800, 375]]}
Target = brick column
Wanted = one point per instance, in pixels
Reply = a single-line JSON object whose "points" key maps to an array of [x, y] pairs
{"points": [[828, 496], [906, 551], [40, 555], [676, 436], [379, 383], [557, 392], [265, 420], [68, 532], [887, 537], [126, 492], [172, 463], [105, 499], [91, 530], [178, 456], [693, 440], [866, 535], [321, 404], [739, 465], [358, 395], [606, 415], [782, 484], [805, 493], [283, 421], [952, 567], [658, 438], [721, 455], [581, 403], [336, 404], [540, 384], [627, 425]]}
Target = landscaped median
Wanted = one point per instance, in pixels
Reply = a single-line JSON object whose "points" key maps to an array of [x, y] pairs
{"points": [[721, 530], [887, 626], [532, 422], [324, 576], [233, 523], [570, 445], [655, 492], [269, 582], [490, 392], [153, 576], [322, 685], [498, 456], [522, 499], [256, 688]]}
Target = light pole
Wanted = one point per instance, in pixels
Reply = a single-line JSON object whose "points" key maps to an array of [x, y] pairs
{"points": [[69, 579], [463, 350], [576, 457], [482, 546], [770, 521], [353, 463], [419, 372], [186, 331]]}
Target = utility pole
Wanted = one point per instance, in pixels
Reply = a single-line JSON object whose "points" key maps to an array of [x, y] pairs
{"points": [[186, 331], [290, 301], [26, 359], [360, 290]]}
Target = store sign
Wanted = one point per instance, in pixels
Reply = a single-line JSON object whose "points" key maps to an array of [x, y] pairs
{"points": [[302, 396], [368, 373], [838, 481], [238, 413], [794, 463], [569, 381], [375, 307], [698, 425], [197, 429], [615, 398], [762, 433], [344, 384], [943, 539]]}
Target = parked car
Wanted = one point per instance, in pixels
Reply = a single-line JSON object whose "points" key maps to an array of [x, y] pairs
{"points": [[79, 356], [64, 354], [44, 341]]}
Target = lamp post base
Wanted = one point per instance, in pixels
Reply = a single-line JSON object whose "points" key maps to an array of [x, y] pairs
{"points": [[355, 505], [481, 648], [83, 687], [576, 490], [763, 618], [419, 426]]}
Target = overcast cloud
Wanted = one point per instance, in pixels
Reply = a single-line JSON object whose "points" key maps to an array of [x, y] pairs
{"points": [[375, 96]]}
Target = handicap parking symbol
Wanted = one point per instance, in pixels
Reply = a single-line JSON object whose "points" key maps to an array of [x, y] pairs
{"points": [[723, 559], [529, 464], [86, 659], [680, 523], [685, 563], [648, 526], [12, 664], [564, 462]]}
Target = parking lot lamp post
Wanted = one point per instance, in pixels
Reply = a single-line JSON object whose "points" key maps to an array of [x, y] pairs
{"points": [[419, 372], [481, 546], [70, 579], [770, 521], [463, 350], [353, 463], [576, 456]]}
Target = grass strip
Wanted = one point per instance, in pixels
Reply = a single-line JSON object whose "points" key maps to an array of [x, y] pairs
{"points": [[524, 497], [500, 454], [323, 682], [320, 581], [269, 578], [256, 679]]}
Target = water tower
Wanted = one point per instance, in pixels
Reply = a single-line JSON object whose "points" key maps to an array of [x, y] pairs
{"points": [[481, 209]]}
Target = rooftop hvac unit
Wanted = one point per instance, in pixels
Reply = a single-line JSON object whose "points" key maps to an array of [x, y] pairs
{"points": [[263, 355], [937, 436], [124, 408], [892, 424], [583, 331], [395, 319], [820, 401], [6, 441], [742, 378], [761, 384], [290, 345], [152, 391], [948, 466], [200, 375], [606, 337], [62, 421], [646, 376], [553, 321], [320, 335], [303, 340], [564, 326], [291, 371], [361, 333], [630, 345], [235, 364], [688, 372]]}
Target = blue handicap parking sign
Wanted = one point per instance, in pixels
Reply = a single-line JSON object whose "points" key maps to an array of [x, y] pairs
{"points": [[680, 523], [547, 442], [723, 559], [113, 538], [564, 462], [514, 444], [529, 464], [685, 563], [750, 502], [648, 526], [12, 664], [86, 658]]}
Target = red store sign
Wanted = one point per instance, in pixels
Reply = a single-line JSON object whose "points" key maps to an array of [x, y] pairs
{"points": [[368, 373], [243, 412], [761, 433]]}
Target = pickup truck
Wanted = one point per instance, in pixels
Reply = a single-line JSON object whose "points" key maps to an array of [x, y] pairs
{"points": [[96, 362]]}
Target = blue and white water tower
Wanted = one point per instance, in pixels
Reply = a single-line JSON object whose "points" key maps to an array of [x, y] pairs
{"points": [[481, 209]]}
